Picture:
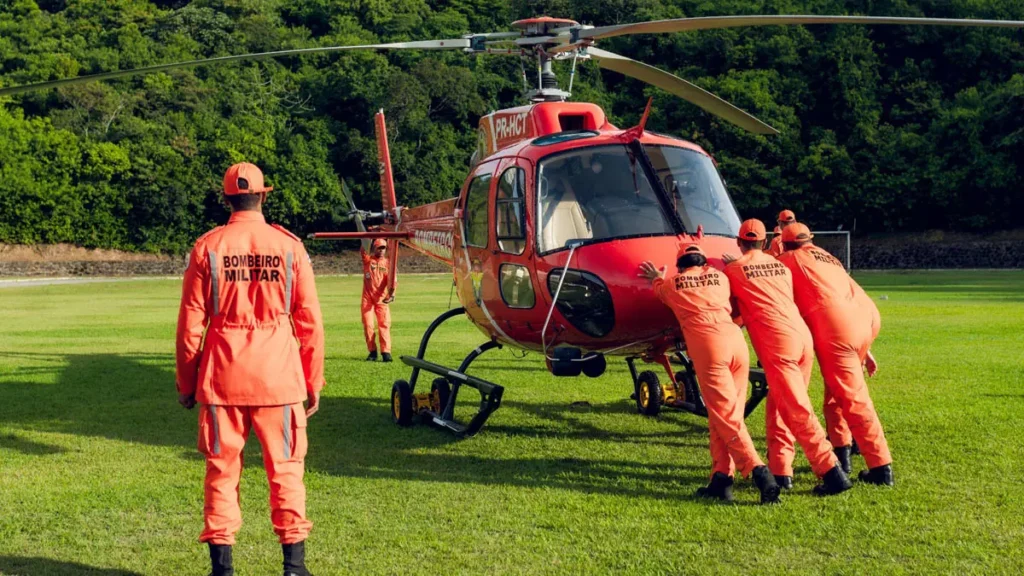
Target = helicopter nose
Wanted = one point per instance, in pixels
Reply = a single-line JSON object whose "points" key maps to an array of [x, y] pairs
{"points": [[584, 301]]}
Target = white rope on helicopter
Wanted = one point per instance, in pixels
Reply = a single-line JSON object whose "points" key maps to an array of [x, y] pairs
{"points": [[544, 331]]}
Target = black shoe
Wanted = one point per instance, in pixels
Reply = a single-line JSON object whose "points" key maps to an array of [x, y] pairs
{"points": [[843, 454], [834, 482], [784, 482], [879, 475], [220, 560], [385, 357], [295, 559], [720, 487], [372, 357], [765, 482]]}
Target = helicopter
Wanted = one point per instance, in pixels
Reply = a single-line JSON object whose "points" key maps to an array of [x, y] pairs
{"points": [[558, 209]]}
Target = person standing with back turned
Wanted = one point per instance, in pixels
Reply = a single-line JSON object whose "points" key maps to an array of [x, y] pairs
{"points": [[249, 289], [763, 288]]}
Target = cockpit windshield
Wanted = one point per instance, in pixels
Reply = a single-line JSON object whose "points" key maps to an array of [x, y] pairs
{"points": [[697, 191], [595, 193], [603, 192]]}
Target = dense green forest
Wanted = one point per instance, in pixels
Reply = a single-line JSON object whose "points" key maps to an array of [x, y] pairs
{"points": [[891, 128]]}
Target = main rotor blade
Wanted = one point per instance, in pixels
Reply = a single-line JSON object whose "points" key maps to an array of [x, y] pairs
{"points": [[685, 90], [452, 44], [714, 22]]}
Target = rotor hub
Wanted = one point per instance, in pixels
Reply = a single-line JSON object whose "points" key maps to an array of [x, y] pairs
{"points": [[543, 25]]}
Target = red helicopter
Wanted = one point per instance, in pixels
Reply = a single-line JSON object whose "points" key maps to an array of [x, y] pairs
{"points": [[559, 209]]}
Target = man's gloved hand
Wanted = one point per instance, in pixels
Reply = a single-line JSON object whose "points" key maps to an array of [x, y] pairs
{"points": [[188, 401], [389, 299]]}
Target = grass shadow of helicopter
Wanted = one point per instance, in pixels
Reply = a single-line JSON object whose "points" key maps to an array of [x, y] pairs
{"points": [[41, 566], [378, 450]]}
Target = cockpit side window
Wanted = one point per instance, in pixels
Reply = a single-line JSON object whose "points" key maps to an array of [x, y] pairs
{"points": [[475, 215], [509, 208]]}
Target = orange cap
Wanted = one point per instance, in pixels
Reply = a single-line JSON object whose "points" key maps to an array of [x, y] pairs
{"points": [[787, 216], [689, 248], [380, 243], [752, 229], [244, 178], [796, 232]]}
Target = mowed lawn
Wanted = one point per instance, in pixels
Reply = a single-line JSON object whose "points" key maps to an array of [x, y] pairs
{"points": [[99, 472]]}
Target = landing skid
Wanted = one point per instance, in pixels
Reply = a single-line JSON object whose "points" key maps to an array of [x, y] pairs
{"points": [[682, 392], [438, 406]]}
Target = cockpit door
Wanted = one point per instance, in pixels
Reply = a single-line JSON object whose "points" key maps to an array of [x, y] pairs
{"points": [[476, 240], [513, 251]]}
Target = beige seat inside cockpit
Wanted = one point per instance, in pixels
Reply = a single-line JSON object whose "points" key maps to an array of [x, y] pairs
{"points": [[566, 221]]}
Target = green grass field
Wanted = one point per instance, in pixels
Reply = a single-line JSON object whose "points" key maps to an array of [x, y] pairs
{"points": [[99, 472]]}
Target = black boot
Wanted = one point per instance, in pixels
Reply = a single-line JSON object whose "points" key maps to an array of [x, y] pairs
{"points": [[765, 482], [720, 487], [880, 475], [843, 454], [295, 559], [372, 357], [834, 482], [855, 450], [385, 357], [220, 560], [784, 482]]}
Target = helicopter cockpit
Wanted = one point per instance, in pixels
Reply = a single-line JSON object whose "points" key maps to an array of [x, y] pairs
{"points": [[600, 193]]}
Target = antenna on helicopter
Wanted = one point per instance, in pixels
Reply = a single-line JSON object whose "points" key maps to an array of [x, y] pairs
{"points": [[638, 130]]}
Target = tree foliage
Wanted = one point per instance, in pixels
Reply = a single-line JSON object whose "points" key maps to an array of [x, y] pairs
{"points": [[891, 128]]}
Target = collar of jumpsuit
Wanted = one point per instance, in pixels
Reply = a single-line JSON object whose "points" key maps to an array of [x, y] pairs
{"points": [[247, 216]]}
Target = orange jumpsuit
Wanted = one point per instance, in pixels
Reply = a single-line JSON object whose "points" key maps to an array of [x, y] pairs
{"points": [[776, 248], [375, 285], [844, 322], [699, 297], [249, 288], [763, 288]]}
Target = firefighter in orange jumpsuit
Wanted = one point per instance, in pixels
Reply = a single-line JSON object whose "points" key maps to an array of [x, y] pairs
{"points": [[763, 289], [250, 349], [786, 217], [699, 297], [844, 323], [376, 299]]}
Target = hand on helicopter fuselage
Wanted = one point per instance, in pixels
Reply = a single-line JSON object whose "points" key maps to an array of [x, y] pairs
{"points": [[650, 272]]}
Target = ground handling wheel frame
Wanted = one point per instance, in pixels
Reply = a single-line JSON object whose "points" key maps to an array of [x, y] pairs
{"points": [[432, 407], [682, 392]]}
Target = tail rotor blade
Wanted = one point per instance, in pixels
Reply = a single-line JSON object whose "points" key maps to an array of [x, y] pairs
{"points": [[679, 87]]}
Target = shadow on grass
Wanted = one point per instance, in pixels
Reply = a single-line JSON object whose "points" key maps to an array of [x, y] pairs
{"points": [[26, 446], [131, 398], [375, 448], [16, 566], [121, 397]]}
